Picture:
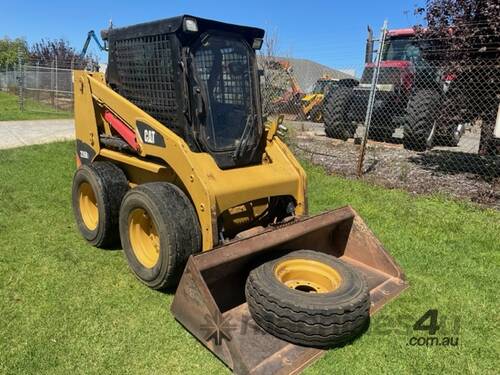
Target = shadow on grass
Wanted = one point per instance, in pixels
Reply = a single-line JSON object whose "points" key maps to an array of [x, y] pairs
{"points": [[452, 162]]}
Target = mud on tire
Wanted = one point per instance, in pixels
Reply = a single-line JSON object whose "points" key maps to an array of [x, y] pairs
{"points": [[310, 319]]}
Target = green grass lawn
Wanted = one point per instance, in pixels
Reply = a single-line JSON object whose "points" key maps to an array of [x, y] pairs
{"points": [[67, 307], [33, 110]]}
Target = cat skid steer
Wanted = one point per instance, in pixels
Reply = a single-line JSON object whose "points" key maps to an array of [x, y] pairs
{"points": [[176, 161]]}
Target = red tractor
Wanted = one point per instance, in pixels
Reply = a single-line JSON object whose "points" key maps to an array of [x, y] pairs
{"points": [[411, 93]]}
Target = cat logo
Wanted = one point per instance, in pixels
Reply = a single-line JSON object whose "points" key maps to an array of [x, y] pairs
{"points": [[149, 136], [84, 154]]}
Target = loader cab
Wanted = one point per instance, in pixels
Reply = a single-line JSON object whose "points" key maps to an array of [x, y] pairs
{"points": [[199, 78], [225, 96]]}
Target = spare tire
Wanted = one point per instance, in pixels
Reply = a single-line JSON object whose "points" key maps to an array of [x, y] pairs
{"points": [[309, 298]]}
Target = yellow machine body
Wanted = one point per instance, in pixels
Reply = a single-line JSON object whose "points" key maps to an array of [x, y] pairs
{"points": [[235, 195], [212, 285], [309, 103]]}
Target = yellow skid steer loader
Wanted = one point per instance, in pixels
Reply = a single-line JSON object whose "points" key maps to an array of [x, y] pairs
{"points": [[176, 161]]}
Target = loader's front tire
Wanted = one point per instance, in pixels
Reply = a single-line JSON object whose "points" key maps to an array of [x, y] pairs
{"points": [[159, 230], [309, 298], [97, 192]]}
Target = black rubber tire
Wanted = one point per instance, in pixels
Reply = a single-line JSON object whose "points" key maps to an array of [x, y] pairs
{"points": [[447, 140], [421, 113], [109, 185], [451, 114], [178, 229], [380, 134], [381, 127], [316, 114], [336, 108], [309, 319]]}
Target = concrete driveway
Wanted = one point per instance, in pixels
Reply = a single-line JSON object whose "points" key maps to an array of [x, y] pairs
{"points": [[24, 133]]}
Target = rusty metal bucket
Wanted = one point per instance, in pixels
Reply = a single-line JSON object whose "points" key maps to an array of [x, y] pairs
{"points": [[210, 299]]}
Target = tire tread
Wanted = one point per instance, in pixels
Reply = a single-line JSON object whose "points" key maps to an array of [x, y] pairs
{"points": [[295, 320]]}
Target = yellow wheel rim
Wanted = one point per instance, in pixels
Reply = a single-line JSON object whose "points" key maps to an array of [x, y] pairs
{"points": [[307, 275], [88, 206], [144, 238]]}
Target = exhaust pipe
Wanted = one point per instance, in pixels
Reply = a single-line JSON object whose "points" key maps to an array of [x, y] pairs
{"points": [[369, 46]]}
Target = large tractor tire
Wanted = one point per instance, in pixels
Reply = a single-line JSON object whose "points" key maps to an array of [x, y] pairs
{"points": [[452, 113], [420, 121], [447, 139], [337, 104], [380, 134], [159, 230], [381, 127], [309, 298], [488, 144], [316, 114], [97, 193]]}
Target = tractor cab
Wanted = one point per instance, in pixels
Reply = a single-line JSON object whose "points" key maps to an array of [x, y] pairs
{"points": [[322, 85], [400, 55], [401, 45]]}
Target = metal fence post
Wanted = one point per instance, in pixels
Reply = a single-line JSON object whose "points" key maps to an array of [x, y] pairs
{"points": [[371, 99], [52, 83], [20, 80], [37, 80], [57, 86]]}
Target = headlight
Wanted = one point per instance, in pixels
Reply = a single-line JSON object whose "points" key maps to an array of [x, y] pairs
{"points": [[190, 25], [257, 43]]}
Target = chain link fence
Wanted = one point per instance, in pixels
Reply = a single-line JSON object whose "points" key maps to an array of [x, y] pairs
{"points": [[399, 119], [38, 88], [396, 119]]}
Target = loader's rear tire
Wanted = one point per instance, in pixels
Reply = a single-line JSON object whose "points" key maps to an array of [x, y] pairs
{"points": [[309, 298], [159, 230], [97, 192]]}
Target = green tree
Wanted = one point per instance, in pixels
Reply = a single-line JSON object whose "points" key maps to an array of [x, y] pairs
{"points": [[464, 37], [10, 50], [45, 52]]}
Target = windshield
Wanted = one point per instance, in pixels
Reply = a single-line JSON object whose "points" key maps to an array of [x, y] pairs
{"points": [[322, 86], [402, 49], [222, 68]]}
